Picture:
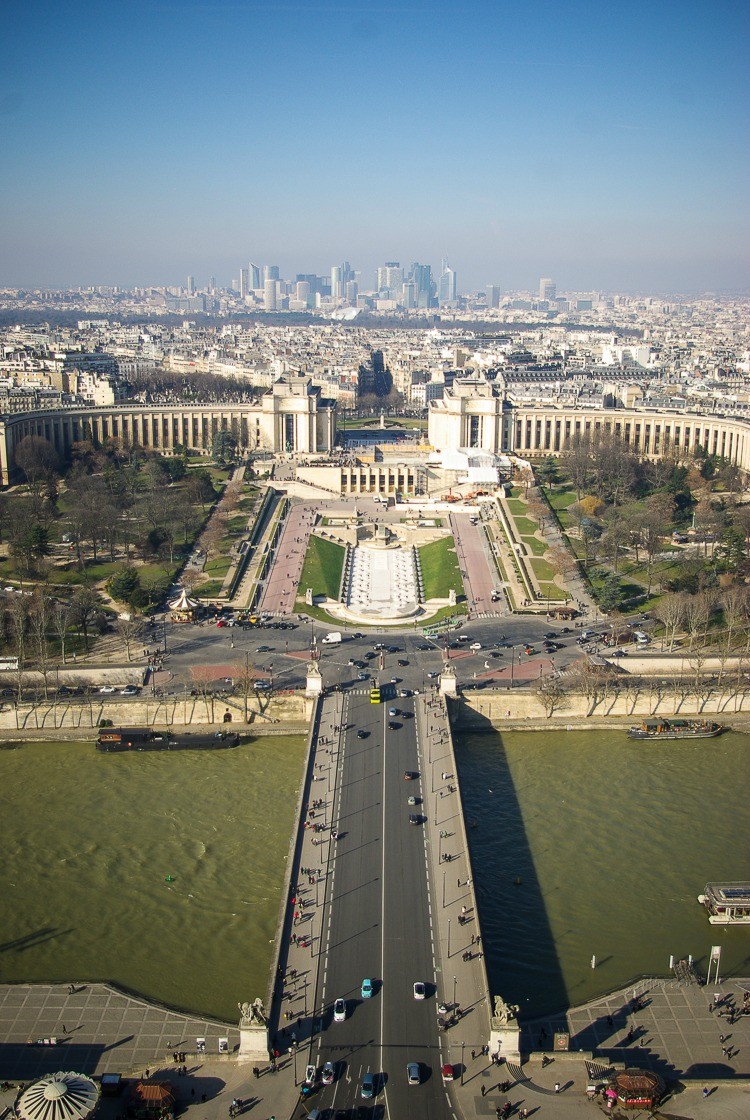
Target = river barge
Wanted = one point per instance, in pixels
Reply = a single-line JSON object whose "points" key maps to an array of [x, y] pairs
{"points": [[113, 739], [728, 904], [676, 729]]}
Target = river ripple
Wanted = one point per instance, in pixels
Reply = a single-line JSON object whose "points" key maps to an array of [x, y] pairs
{"points": [[89, 839], [612, 841]]}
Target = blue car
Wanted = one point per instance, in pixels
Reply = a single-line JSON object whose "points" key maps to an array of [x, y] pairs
{"points": [[367, 988], [368, 1086]]}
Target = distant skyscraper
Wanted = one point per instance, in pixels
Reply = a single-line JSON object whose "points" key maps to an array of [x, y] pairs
{"points": [[269, 294], [492, 294], [337, 281], [420, 276], [391, 278], [302, 290], [244, 282], [191, 285], [448, 291], [254, 271], [547, 289], [212, 284], [270, 272]]}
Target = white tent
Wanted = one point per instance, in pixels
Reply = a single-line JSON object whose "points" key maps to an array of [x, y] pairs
{"points": [[183, 602], [59, 1096]]}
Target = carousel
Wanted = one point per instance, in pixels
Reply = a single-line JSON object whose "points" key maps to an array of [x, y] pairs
{"points": [[183, 608], [636, 1088], [59, 1096]]}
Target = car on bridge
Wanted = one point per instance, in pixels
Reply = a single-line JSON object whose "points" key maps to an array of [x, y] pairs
{"points": [[339, 1011], [419, 990], [361, 734], [329, 1073], [392, 725], [413, 1073], [367, 1089], [415, 818], [367, 988]]}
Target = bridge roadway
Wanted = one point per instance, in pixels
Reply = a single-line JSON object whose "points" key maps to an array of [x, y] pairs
{"points": [[376, 915], [378, 920]]}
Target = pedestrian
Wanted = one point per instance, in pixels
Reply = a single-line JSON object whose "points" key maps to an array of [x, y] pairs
{"points": [[65, 1030], [473, 1055], [483, 1090], [705, 1091], [256, 1072], [557, 1086]]}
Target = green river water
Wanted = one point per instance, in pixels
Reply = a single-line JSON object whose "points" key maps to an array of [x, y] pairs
{"points": [[612, 841]]}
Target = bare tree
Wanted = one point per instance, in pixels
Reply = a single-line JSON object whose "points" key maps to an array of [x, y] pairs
{"points": [[552, 694], [671, 611]]}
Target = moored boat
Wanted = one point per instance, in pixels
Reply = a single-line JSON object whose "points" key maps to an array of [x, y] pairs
{"points": [[727, 903], [676, 729], [113, 739]]}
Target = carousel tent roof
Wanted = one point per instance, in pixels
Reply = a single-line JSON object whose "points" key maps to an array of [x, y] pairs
{"points": [[638, 1083], [59, 1096], [183, 602]]}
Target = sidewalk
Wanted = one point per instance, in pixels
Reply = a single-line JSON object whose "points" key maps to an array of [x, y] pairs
{"points": [[461, 975]]}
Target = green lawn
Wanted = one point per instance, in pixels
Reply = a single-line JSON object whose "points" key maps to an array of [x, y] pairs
{"points": [[322, 569], [552, 591], [517, 507], [534, 546], [542, 570], [440, 570], [525, 527]]}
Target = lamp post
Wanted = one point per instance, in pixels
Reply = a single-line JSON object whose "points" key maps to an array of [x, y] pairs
{"points": [[454, 993], [449, 956], [293, 1050], [512, 663], [462, 1064]]}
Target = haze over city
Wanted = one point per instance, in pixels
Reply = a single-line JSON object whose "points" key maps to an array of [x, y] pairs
{"points": [[607, 148]]}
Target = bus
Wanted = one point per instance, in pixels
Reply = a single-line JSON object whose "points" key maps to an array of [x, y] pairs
{"points": [[8, 664], [374, 695]]}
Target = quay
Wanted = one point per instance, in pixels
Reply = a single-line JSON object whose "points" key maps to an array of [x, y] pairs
{"points": [[108, 1031]]}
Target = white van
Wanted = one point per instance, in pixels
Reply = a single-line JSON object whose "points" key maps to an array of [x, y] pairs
{"points": [[641, 638], [332, 639]]}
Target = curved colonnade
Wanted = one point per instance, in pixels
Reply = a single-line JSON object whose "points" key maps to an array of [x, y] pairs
{"points": [[305, 426]]}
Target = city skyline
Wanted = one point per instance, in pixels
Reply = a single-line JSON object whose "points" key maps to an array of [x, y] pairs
{"points": [[606, 149]]}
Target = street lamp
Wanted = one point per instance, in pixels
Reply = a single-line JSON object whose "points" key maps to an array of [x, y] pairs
{"points": [[462, 1064], [449, 955], [293, 1050], [512, 663], [454, 993]]}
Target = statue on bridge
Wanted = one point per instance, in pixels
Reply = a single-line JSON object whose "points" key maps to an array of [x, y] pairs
{"points": [[504, 1012], [252, 1014]]}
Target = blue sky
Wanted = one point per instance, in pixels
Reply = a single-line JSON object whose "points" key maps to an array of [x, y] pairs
{"points": [[603, 145]]}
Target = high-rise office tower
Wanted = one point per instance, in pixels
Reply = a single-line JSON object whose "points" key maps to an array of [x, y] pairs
{"points": [[492, 295], [547, 289], [191, 285], [254, 271], [212, 284], [390, 277], [269, 294], [420, 275], [448, 290], [302, 290], [270, 272], [337, 281], [351, 291], [244, 282]]}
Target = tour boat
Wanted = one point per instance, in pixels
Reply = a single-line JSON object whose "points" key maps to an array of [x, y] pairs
{"points": [[145, 739], [676, 729], [728, 904]]}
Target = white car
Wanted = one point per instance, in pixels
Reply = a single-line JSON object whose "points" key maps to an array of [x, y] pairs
{"points": [[339, 1011], [108, 688], [129, 690], [419, 990], [475, 645], [329, 1073]]}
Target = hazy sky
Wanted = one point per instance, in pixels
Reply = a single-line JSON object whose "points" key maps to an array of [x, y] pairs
{"points": [[604, 145]]}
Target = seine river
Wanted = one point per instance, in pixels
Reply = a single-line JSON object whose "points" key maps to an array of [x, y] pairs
{"points": [[163, 872]]}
